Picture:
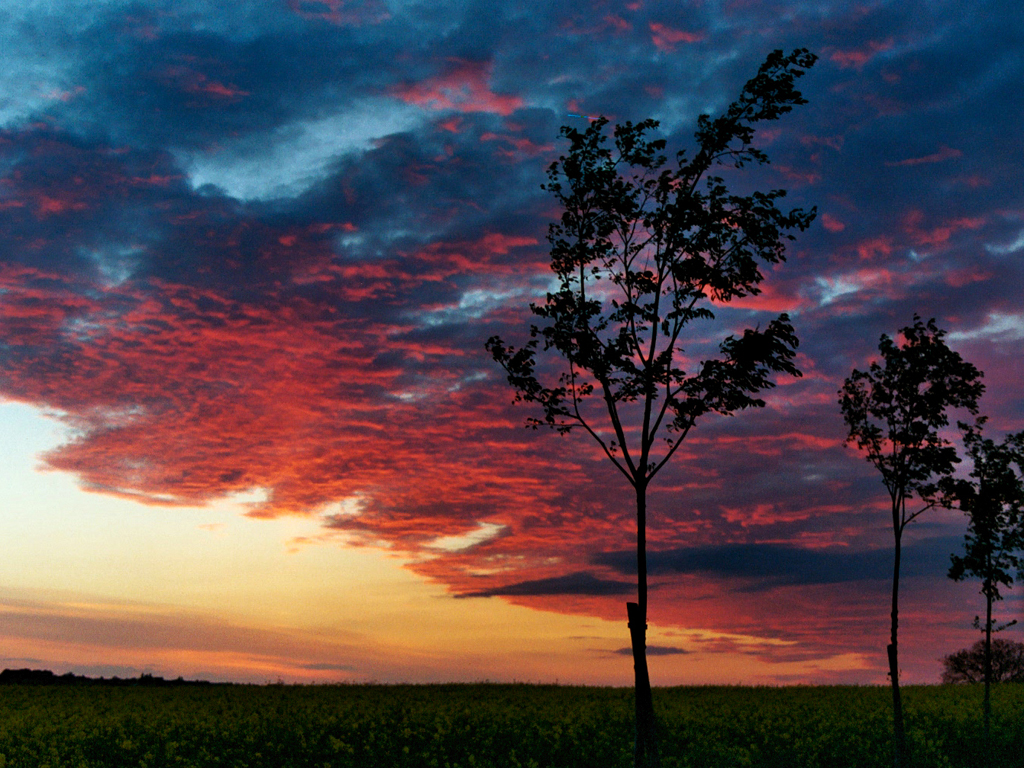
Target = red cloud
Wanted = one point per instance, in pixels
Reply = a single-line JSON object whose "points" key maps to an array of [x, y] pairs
{"points": [[444, 260], [47, 205], [763, 514], [958, 278], [868, 249], [944, 153], [855, 57], [452, 126], [940, 234], [464, 88], [523, 146], [665, 38], [182, 394], [190, 81], [618, 22], [799, 176], [341, 12], [775, 445], [831, 223], [772, 298]]}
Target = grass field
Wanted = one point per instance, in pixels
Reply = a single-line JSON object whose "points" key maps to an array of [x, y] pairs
{"points": [[483, 725]]}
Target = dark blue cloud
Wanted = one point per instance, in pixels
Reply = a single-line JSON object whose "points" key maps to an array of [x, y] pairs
{"points": [[765, 566], [654, 650], [579, 583]]}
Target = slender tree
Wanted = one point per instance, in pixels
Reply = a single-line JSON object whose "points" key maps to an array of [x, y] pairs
{"points": [[894, 412], [994, 504], [641, 251]]}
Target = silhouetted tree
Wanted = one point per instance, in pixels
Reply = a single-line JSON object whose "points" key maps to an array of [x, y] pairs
{"points": [[994, 504], [1004, 659], [642, 250], [894, 412]]}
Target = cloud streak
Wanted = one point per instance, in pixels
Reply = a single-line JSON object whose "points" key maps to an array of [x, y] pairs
{"points": [[766, 566]]}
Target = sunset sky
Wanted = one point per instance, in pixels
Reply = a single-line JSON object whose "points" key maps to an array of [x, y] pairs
{"points": [[249, 256]]}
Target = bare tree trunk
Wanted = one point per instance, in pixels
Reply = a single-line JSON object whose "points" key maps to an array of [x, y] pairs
{"points": [[900, 756], [645, 749], [988, 671]]}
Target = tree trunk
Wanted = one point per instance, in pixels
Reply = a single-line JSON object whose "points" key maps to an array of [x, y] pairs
{"points": [[645, 748], [988, 670], [899, 747]]}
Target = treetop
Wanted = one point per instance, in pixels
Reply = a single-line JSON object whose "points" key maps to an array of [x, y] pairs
{"points": [[895, 409], [643, 247]]}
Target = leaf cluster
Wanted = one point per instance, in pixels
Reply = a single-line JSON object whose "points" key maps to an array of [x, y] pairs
{"points": [[642, 249], [894, 410], [993, 501]]}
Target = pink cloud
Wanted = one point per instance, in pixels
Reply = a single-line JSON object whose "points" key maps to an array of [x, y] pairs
{"points": [[665, 38], [958, 278], [190, 81], [773, 297], [940, 234], [465, 88], [831, 223], [47, 205], [617, 22], [453, 125], [874, 246], [522, 145], [341, 12], [944, 153], [858, 57]]}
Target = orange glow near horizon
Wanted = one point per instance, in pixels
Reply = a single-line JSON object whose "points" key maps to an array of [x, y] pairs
{"points": [[207, 592]]}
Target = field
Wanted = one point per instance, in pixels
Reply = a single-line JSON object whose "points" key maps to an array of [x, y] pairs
{"points": [[484, 725]]}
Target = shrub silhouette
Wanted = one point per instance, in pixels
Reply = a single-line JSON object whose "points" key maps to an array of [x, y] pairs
{"points": [[968, 665]]}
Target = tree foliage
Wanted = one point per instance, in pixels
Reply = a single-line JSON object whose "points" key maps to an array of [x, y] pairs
{"points": [[968, 665], [894, 412], [994, 504], [661, 242]]}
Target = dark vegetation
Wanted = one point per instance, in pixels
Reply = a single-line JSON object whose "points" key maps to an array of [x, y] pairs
{"points": [[46, 677], [1005, 663], [485, 725]]}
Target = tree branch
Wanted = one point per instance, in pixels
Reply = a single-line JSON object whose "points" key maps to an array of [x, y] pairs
{"points": [[671, 450]]}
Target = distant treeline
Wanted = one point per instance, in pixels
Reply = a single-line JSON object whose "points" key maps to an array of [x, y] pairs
{"points": [[46, 677]]}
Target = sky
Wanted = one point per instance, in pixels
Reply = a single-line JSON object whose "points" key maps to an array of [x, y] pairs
{"points": [[249, 257]]}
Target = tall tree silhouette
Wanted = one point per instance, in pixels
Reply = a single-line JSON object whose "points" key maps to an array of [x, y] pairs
{"points": [[641, 251], [994, 504], [894, 412]]}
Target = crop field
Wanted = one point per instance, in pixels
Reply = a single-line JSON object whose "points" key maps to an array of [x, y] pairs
{"points": [[482, 725]]}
